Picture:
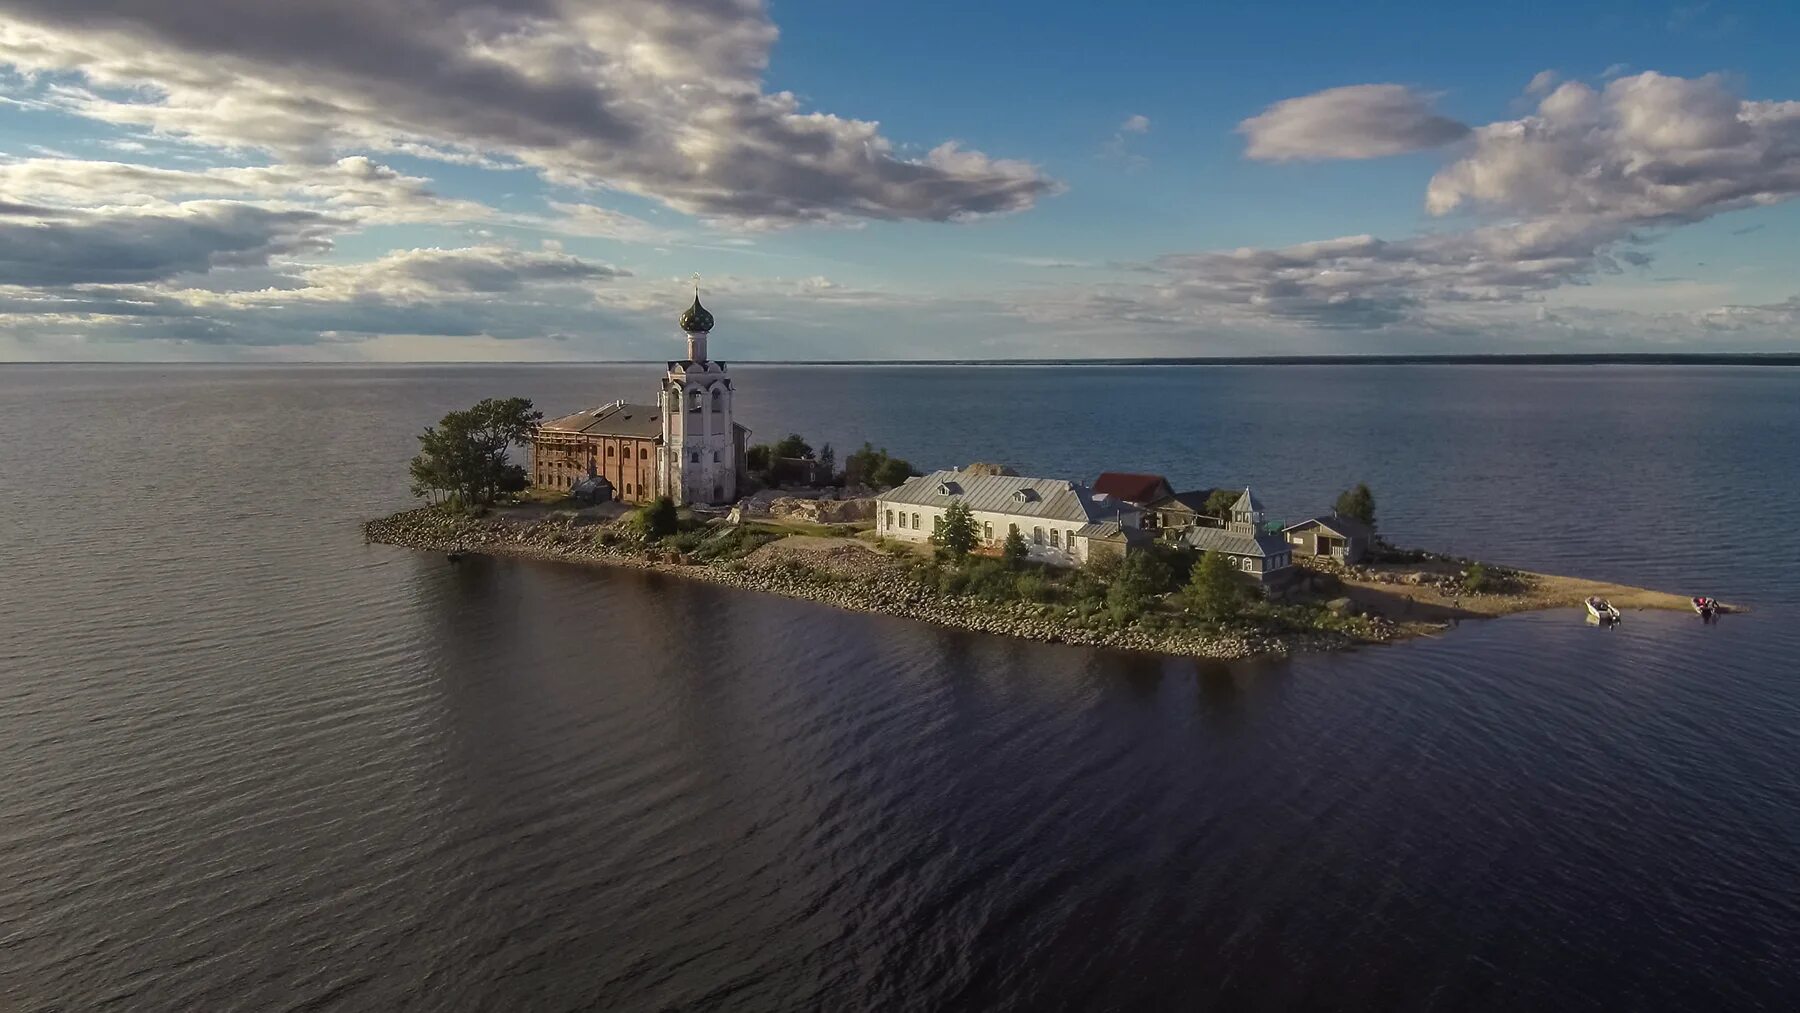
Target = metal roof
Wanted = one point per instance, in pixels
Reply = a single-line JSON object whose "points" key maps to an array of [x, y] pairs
{"points": [[1051, 499], [1234, 542], [616, 419], [1349, 527]]}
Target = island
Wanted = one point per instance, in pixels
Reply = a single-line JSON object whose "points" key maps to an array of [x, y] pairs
{"points": [[674, 484]]}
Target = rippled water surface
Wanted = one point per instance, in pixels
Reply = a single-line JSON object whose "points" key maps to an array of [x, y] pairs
{"points": [[247, 762]]}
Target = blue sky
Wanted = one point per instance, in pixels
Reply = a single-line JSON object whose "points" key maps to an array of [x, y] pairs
{"points": [[537, 179]]}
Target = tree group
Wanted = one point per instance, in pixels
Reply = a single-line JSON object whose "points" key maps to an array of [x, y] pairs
{"points": [[463, 460]]}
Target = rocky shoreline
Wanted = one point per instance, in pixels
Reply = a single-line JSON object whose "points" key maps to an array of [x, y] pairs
{"points": [[872, 591]]}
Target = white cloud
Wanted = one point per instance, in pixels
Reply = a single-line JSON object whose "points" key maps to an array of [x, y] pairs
{"points": [[1647, 149], [662, 98], [1137, 123], [1542, 82], [1356, 121]]}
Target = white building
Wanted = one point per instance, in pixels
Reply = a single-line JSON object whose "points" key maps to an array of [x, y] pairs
{"points": [[702, 450], [1063, 523]]}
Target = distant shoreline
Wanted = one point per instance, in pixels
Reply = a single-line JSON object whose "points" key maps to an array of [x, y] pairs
{"points": [[1788, 359]]}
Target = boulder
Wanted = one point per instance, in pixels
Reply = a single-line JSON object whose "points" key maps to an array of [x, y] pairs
{"points": [[834, 511], [988, 468]]}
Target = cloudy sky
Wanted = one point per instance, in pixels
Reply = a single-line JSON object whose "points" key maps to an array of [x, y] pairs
{"points": [[538, 179]]}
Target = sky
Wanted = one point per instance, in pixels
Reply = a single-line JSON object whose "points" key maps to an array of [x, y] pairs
{"points": [[522, 180]]}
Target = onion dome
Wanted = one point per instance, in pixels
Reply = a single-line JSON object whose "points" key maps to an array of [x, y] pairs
{"points": [[696, 319]]}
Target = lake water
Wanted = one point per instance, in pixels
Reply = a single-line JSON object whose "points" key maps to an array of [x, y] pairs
{"points": [[247, 762]]}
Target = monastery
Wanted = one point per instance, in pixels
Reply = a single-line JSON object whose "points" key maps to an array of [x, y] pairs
{"points": [[684, 445]]}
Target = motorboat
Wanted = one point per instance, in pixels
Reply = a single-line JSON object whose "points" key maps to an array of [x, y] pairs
{"points": [[1602, 610], [1706, 607]]}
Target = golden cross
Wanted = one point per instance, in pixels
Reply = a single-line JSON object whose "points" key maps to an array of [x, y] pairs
{"points": [[696, 284]]}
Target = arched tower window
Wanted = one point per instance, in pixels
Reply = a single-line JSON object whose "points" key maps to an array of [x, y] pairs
{"points": [[718, 400]]}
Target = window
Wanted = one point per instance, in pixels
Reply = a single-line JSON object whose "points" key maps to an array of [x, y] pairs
{"points": [[1055, 539], [643, 453], [718, 400], [1011, 530], [888, 520], [1248, 565], [937, 525], [1037, 536], [694, 457], [611, 451], [698, 404], [915, 522], [715, 457], [987, 531], [1069, 539]]}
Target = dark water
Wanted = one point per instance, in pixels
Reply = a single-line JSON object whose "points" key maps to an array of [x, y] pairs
{"points": [[247, 762]]}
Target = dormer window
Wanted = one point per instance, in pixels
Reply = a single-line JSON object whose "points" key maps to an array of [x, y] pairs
{"points": [[949, 489], [1024, 495]]}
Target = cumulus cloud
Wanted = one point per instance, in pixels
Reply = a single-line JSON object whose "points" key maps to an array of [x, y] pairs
{"points": [[59, 246], [1573, 193], [1356, 121], [1647, 149], [662, 98]]}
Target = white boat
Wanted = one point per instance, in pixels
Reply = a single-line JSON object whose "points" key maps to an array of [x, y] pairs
{"points": [[1602, 610]]}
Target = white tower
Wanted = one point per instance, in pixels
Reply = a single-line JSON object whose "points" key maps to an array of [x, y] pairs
{"points": [[699, 457]]}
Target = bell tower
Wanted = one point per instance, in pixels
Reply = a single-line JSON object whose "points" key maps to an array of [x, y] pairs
{"points": [[698, 463]]}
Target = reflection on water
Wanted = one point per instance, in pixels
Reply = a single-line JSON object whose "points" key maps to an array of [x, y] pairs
{"points": [[252, 763]]}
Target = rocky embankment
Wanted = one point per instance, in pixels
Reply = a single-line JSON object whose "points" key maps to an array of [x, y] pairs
{"points": [[875, 586]]}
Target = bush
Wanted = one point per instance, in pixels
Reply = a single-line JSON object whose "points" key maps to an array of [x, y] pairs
{"points": [[1014, 551], [655, 520], [1213, 591], [1140, 577], [1031, 587]]}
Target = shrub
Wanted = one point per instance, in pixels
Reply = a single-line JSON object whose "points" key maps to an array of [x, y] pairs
{"points": [[1476, 580], [1213, 591], [655, 520], [1031, 587], [1014, 550]]}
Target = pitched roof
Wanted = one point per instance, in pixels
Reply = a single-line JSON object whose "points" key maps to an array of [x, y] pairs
{"points": [[616, 419], [1235, 541], [1131, 486], [1048, 498], [1247, 502], [1193, 499], [1349, 527]]}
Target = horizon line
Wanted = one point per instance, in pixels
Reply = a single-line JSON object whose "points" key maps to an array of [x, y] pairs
{"points": [[1786, 358]]}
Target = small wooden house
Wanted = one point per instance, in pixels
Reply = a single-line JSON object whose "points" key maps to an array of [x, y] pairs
{"points": [[1334, 536]]}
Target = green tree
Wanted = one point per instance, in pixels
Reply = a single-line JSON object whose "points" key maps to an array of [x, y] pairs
{"points": [[1014, 550], [1141, 577], [1218, 504], [1213, 590], [1357, 504], [792, 445], [827, 463], [657, 519], [758, 457], [957, 534], [464, 458], [892, 472], [861, 465]]}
